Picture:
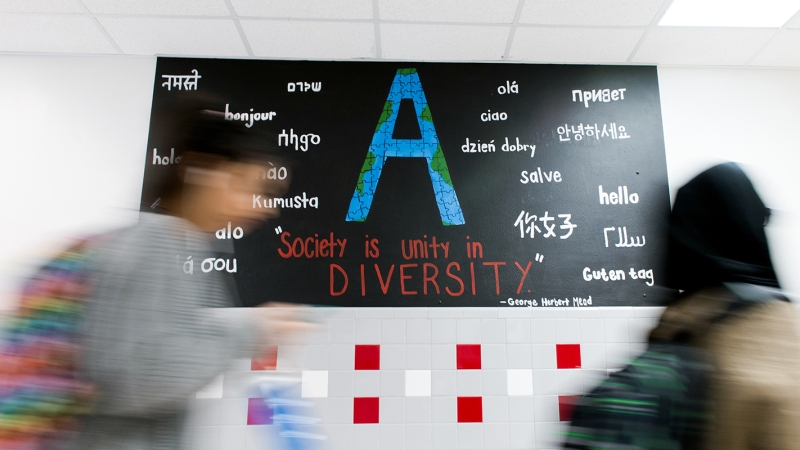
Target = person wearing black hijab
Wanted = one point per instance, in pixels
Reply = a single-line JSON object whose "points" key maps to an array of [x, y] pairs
{"points": [[716, 233], [730, 305]]}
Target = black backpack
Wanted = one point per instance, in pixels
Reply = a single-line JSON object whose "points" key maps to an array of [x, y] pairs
{"points": [[660, 400]]}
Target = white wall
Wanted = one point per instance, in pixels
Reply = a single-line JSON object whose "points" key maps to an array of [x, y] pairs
{"points": [[73, 133], [72, 136], [748, 116]]}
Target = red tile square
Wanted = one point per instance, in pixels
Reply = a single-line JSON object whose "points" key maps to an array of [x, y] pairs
{"points": [[470, 409], [468, 356], [258, 413], [266, 360], [368, 357], [365, 409], [568, 356], [566, 404]]}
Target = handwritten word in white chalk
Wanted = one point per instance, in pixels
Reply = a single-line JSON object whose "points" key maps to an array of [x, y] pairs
{"points": [[273, 173], [227, 233], [555, 301], [598, 95], [611, 130], [509, 88], [490, 116], [624, 240], [218, 264], [248, 118], [165, 160], [540, 176], [618, 275], [300, 141], [478, 147], [188, 82], [576, 301], [518, 147], [490, 147], [209, 264], [303, 86], [528, 225], [520, 301], [620, 197], [580, 301], [290, 202]]}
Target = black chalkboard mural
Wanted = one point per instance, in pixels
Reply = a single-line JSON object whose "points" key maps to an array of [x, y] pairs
{"points": [[443, 184]]}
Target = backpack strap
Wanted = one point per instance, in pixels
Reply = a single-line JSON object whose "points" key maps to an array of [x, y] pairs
{"points": [[746, 296]]}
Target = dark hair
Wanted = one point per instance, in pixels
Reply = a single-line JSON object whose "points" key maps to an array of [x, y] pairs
{"points": [[717, 233], [211, 135], [202, 135]]}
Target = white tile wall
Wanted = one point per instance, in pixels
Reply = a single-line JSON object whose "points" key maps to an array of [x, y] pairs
{"points": [[468, 331], [493, 356], [519, 356], [418, 409], [518, 331], [444, 436], [418, 436], [443, 382], [315, 383], [443, 409], [393, 410], [393, 331], [470, 435], [568, 331], [543, 331], [392, 437], [393, 383], [494, 382], [418, 356], [393, 356], [520, 382], [493, 331], [418, 331], [469, 383], [367, 383], [366, 437], [418, 383]]}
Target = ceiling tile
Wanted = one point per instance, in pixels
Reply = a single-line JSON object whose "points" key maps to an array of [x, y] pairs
{"points": [[590, 12], [479, 11], [794, 23], [443, 42], [727, 13], [574, 45], [305, 9], [41, 6], [701, 47], [159, 7], [54, 34], [202, 37], [315, 40], [784, 50]]}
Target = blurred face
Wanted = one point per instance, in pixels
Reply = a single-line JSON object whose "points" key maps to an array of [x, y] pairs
{"points": [[228, 193]]}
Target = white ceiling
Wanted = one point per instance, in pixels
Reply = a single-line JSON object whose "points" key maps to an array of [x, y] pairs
{"points": [[547, 31]]}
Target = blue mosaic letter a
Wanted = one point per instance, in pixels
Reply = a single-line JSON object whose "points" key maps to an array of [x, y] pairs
{"points": [[406, 85]]}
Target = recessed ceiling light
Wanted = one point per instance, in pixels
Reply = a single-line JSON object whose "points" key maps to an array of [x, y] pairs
{"points": [[729, 13]]}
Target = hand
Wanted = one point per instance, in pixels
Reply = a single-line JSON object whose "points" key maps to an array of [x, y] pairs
{"points": [[284, 323]]}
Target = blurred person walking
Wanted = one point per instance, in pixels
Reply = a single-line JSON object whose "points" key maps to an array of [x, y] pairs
{"points": [[731, 307], [143, 299], [721, 370], [151, 337]]}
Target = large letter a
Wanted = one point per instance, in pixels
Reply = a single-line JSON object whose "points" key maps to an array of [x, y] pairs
{"points": [[406, 85]]}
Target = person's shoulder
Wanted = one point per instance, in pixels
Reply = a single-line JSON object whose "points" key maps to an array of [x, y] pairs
{"points": [[152, 235]]}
